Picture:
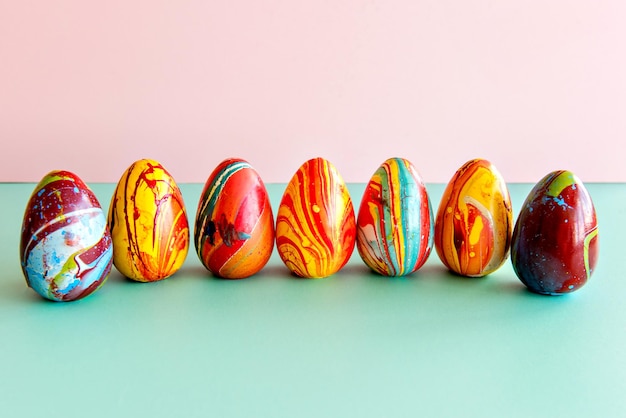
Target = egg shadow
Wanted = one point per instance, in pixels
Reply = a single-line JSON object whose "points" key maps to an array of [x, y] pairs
{"points": [[510, 286], [275, 271], [20, 293], [431, 272], [16, 290], [345, 272], [199, 272], [454, 276], [355, 269], [494, 282], [195, 272], [375, 276], [116, 278]]}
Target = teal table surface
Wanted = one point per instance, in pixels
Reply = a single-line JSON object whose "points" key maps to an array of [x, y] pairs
{"points": [[352, 345]]}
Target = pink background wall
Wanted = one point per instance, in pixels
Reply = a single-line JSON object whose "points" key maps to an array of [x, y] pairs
{"points": [[531, 85]]}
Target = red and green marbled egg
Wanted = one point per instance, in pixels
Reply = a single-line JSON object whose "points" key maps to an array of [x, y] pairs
{"points": [[474, 220], [234, 228], [555, 242], [395, 226], [65, 245], [148, 223], [315, 224]]}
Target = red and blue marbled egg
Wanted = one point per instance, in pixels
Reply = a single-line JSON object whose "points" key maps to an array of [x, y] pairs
{"points": [[554, 248], [234, 228], [65, 247], [395, 225]]}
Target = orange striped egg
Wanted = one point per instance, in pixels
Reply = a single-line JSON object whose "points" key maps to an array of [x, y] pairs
{"points": [[148, 223], [234, 229], [474, 220], [315, 225]]}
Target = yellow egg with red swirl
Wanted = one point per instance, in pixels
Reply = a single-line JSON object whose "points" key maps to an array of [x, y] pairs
{"points": [[148, 223], [474, 221], [315, 224]]}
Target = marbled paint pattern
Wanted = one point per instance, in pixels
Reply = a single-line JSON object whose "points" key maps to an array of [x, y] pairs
{"points": [[474, 220], [234, 228], [65, 246], [555, 241], [315, 225], [395, 226], [148, 223]]}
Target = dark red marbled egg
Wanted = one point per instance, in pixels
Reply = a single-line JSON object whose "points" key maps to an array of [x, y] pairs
{"points": [[554, 247]]}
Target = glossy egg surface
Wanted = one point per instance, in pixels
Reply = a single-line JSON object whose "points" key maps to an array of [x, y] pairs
{"points": [[65, 246], [474, 220], [148, 223], [555, 241], [315, 225], [234, 228], [395, 225]]}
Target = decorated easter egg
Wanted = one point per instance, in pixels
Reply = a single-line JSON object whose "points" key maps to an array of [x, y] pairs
{"points": [[474, 220], [395, 226], [555, 242], [234, 229], [315, 224], [148, 223], [65, 246]]}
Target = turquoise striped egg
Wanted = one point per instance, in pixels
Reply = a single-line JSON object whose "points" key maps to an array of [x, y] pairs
{"points": [[395, 227]]}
